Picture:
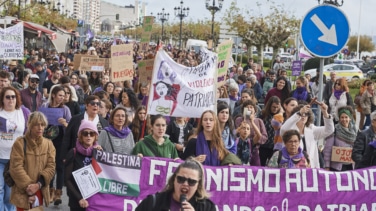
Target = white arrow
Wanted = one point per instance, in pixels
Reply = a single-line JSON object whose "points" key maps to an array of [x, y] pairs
{"points": [[329, 35]]}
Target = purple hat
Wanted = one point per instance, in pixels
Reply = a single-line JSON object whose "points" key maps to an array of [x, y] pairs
{"points": [[86, 124]]}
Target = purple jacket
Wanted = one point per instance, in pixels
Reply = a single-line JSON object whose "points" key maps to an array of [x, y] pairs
{"points": [[330, 142]]}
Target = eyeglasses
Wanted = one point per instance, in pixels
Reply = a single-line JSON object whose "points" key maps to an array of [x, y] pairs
{"points": [[10, 97], [35, 81], [87, 133], [181, 180], [93, 103]]}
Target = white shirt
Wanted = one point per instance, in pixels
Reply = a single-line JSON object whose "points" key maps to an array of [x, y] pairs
{"points": [[15, 125]]}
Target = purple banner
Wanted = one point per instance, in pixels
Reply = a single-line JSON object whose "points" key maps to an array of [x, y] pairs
{"points": [[246, 188], [296, 68]]}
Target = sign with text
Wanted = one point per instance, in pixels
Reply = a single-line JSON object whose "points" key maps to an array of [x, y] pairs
{"points": [[12, 42], [296, 68], [147, 27], [77, 60], [145, 70], [92, 64], [182, 91], [342, 154], [246, 188], [122, 62], [87, 181], [52, 114], [224, 54]]}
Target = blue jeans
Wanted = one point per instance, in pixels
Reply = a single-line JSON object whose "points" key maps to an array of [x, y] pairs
{"points": [[4, 190]]}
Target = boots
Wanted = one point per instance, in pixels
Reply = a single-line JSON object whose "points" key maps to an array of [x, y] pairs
{"points": [[52, 195], [58, 194]]}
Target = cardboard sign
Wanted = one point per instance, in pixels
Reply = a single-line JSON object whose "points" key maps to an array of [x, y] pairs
{"points": [[224, 55], [12, 42], [147, 27], [122, 62], [92, 64], [145, 70], [77, 60], [341, 154]]}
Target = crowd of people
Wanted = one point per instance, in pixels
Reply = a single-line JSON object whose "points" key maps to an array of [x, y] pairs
{"points": [[262, 119]]}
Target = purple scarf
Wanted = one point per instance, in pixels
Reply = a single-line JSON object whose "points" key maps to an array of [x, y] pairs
{"points": [[289, 160], [372, 144], [300, 93], [202, 147], [233, 98], [338, 93], [123, 133], [85, 151]]}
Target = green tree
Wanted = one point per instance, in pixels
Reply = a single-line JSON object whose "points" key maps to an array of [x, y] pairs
{"points": [[365, 44]]}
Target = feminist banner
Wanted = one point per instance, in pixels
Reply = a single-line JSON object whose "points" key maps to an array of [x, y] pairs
{"points": [[122, 62], [246, 188], [12, 42], [182, 91]]}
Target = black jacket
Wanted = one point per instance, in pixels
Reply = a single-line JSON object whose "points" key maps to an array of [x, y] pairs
{"points": [[173, 131], [362, 140], [369, 158], [70, 136], [163, 200]]}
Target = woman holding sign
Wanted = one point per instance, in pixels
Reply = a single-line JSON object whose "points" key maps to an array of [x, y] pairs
{"points": [[78, 157], [55, 109], [344, 137], [13, 118]]}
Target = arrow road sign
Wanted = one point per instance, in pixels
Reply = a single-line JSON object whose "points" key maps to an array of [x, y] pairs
{"points": [[325, 30]]}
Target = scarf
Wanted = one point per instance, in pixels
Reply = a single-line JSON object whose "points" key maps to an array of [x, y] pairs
{"points": [[372, 144], [300, 93], [347, 135], [202, 147], [290, 160], [85, 151], [338, 93], [233, 98], [123, 133], [227, 137]]}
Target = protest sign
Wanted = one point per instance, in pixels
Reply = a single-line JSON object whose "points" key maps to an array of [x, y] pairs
{"points": [[147, 27], [3, 124], [122, 62], [92, 64], [12, 42], [296, 68], [224, 54], [342, 154], [145, 70], [87, 181], [234, 188], [52, 114], [182, 91], [77, 60]]}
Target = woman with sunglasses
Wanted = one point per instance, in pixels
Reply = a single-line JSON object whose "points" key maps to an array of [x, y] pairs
{"points": [[302, 121], [54, 104], [73, 106], [339, 98], [187, 184], [16, 117], [78, 157]]}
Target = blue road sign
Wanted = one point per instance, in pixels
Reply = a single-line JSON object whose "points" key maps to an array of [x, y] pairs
{"points": [[325, 30]]}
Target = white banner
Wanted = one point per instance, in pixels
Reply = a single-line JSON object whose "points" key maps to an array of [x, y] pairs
{"points": [[12, 42], [182, 91]]}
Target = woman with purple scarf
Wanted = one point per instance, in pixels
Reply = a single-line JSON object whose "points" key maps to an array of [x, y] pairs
{"points": [[291, 155], [302, 91], [339, 98], [117, 137], [208, 147], [77, 158]]}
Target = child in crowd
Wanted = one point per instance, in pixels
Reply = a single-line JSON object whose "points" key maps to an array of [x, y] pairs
{"points": [[247, 150]]}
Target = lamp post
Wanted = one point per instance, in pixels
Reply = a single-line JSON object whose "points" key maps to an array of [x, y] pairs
{"points": [[213, 8], [332, 2], [181, 12], [162, 16]]}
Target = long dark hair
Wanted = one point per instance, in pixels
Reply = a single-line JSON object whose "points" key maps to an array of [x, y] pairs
{"points": [[266, 113], [132, 98], [285, 90], [222, 105], [136, 124]]}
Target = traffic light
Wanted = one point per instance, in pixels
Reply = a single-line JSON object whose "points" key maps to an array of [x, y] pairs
{"points": [[117, 17], [287, 44]]}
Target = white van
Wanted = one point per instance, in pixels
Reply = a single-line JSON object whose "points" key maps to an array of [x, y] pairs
{"points": [[196, 44]]}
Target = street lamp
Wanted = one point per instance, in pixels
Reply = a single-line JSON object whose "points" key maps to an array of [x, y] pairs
{"points": [[333, 2], [213, 9], [181, 12], [163, 17]]}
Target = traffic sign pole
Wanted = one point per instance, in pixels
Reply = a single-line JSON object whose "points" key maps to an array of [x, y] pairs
{"points": [[321, 88]]}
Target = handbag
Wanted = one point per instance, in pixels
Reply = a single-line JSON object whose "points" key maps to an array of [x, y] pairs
{"points": [[357, 99], [6, 173], [51, 132]]}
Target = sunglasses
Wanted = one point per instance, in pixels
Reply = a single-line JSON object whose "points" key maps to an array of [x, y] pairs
{"points": [[35, 81], [93, 103], [10, 97], [181, 180], [87, 133]]}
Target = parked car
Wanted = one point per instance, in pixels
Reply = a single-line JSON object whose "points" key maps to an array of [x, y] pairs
{"points": [[348, 71], [367, 66], [287, 61]]}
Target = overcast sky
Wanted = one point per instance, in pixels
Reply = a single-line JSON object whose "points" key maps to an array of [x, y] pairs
{"points": [[298, 7]]}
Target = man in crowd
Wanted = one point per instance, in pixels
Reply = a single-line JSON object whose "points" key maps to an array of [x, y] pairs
{"points": [[42, 74], [56, 74], [328, 89], [31, 98], [4, 79], [278, 64], [269, 82], [249, 64]]}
